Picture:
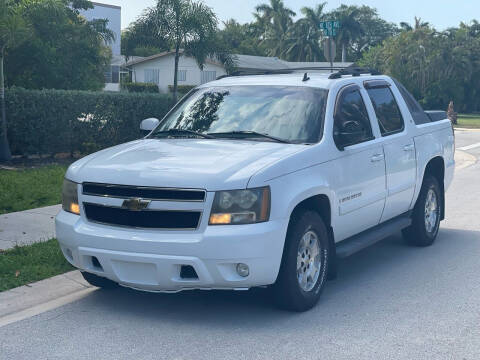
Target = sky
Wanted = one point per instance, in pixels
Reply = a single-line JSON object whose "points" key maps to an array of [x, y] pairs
{"points": [[441, 13]]}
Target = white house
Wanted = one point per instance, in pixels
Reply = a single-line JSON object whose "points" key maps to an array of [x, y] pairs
{"points": [[113, 14], [159, 69]]}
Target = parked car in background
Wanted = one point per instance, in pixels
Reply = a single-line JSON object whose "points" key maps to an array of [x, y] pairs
{"points": [[260, 181]]}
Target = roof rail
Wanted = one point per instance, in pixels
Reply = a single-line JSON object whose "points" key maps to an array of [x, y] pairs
{"points": [[354, 71], [281, 71]]}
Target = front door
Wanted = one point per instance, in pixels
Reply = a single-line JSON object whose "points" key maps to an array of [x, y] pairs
{"points": [[360, 169]]}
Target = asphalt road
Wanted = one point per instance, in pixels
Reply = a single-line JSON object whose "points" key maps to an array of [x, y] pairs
{"points": [[390, 301]]}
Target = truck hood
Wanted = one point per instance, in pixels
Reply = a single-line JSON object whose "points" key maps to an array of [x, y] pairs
{"points": [[185, 163]]}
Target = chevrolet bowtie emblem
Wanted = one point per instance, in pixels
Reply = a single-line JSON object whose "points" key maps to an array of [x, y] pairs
{"points": [[135, 204]]}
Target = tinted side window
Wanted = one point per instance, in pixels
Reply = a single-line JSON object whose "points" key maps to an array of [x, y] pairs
{"points": [[387, 111], [415, 108], [350, 107]]}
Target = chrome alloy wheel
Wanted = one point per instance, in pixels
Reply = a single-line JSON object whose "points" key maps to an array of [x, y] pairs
{"points": [[431, 211], [309, 261]]}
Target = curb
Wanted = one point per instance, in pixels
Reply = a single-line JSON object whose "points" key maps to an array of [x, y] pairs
{"points": [[33, 299]]}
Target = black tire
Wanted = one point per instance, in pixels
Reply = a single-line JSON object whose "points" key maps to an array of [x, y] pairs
{"points": [[287, 291], [418, 233], [99, 281]]}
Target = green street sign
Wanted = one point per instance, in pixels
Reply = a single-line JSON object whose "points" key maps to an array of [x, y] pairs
{"points": [[330, 28]]}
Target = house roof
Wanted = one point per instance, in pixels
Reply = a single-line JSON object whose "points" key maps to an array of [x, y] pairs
{"points": [[250, 62], [258, 62], [162, 54], [119, 60]]}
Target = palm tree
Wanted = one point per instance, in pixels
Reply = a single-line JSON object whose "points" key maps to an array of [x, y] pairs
{"points": [[13, 31], [418, 24], [303, 42], [350, 26], [275, 12], [187, 24], [276, 21], [314, 16]]}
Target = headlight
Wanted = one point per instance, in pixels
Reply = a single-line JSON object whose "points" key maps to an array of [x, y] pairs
{"points": [[70, 197], [241, 207]]}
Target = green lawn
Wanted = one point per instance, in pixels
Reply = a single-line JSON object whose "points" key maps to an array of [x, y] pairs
{"points": [[31, 188], [468, 121], [26, 264]]}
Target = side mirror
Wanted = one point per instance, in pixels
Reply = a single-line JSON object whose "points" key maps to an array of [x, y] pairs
{"points": [[350, 133], [149, 124]]}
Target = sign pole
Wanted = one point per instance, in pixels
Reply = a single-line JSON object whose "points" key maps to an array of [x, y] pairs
{"points": [[330, 45]]}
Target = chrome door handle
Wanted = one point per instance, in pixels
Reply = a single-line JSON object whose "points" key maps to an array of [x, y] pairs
{"points": [[409, 147], [376, 158]]}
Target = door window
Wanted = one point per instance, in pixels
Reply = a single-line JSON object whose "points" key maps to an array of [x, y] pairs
{"points": [[386, 108], [351, 121]]}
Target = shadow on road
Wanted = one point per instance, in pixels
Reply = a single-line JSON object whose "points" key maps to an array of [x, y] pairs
{"points": [[372, 278]]}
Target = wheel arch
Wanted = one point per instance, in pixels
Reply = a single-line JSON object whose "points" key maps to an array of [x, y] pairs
{"points": [[436, 168], [321, 204]]}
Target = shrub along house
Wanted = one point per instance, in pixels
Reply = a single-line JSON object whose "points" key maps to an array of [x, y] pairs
{"points": [[159, 69]]}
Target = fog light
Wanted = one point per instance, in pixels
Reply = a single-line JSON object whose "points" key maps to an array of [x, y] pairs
{"points": [[243, 270]]}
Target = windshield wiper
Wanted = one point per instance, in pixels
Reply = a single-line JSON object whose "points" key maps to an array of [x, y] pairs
{"points": [[249, 134], [180, 132]]}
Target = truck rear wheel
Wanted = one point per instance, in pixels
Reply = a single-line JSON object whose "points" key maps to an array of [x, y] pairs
{"points": [[304, 267], [426, 214]]}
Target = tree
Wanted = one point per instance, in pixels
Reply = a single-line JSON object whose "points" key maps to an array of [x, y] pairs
{"points": [[63, 51], [13, 30], [418, 25], [351, 28], [375, 30], [187, 24], [305, 35], [436, 67], [242, 38], [276, 21]]}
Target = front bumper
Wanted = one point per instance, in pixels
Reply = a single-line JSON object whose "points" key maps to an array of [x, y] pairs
{"points": [[152, 260]]}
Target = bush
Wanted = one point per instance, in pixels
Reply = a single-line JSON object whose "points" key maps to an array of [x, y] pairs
{"points": [[66, 121], [140, 87], [182, 89]]}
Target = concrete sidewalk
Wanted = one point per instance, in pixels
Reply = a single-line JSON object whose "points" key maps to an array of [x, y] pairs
{"points": [[32, 299], [27, 227]]}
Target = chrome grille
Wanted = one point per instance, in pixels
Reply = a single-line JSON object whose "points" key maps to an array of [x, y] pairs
{"points": [[148, 193]]}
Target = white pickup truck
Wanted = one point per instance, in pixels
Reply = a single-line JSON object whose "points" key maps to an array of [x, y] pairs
{"points": [[259, 181]]}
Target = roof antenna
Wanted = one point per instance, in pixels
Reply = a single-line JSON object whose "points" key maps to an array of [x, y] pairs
{"points": [[305, 77]]}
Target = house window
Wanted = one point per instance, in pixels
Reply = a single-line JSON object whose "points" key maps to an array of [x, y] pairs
{"points": [[208, 76], [182, 75], [152, 76]]}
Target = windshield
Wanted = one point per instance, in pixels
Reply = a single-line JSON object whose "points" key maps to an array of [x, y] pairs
{"points": [[293, 114]]}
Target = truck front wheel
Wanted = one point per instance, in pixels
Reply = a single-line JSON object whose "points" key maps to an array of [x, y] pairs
{"points": [[304, 265], [426, 214]]}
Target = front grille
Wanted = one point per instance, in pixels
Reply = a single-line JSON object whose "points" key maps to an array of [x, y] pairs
{"points": [[148, 219], [149, 193]]}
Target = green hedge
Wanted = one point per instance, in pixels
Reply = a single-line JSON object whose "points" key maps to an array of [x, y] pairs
{"points": [[182, 89], [66, 121], [141, 87]]}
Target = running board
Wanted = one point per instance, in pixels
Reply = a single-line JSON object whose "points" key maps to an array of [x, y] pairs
{"points": [[369, 237]]}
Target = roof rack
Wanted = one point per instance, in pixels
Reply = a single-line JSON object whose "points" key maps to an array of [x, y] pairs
{"points": [[354, 71], [281, 71]]}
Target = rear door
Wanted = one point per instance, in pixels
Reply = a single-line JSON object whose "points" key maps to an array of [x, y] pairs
{"points": [[398, 146], [359, 170]]}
